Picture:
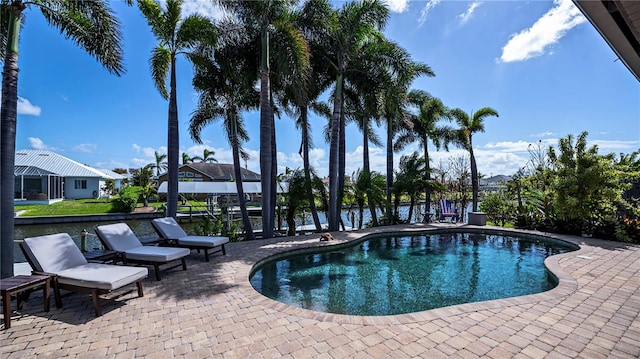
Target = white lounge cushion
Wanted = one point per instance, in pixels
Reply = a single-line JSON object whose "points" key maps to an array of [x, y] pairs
{"points": [[202, 241], [53, 253], [156, 254], [101, 276], [167, 227], [118, 237]]}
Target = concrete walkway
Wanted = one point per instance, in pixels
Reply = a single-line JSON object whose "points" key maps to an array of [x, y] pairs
{"points": [[211, 310]]}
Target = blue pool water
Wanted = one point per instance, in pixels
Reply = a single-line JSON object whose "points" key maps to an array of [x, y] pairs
{"points": [[398, 274]]}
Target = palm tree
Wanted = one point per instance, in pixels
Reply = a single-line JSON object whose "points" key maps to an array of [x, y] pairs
{"points": [[143, 178], [89, 24], [396, 102], [222, 84], [470, 124], [160, 163], [186, 158], [353, 27], [174, 35], [268, 23], [207, 157], [410, 179], [424, 128]]}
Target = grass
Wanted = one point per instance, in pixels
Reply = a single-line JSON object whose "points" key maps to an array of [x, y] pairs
{"points": [[70, 207]]}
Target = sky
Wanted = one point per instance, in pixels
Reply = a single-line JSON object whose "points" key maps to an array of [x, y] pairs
{"points": [[540, 64]]}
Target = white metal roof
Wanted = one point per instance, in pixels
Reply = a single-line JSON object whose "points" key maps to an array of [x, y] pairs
{"points": [[56, 164], [218, 187]]}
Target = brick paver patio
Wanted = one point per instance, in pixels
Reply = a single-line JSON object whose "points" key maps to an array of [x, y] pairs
{"points": [[211, 310]]}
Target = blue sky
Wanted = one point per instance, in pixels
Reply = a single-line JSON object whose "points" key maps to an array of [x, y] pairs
{"points": [[540, 64]]}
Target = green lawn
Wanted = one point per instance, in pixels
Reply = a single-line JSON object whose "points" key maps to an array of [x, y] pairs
{"points": [[69, 207]]}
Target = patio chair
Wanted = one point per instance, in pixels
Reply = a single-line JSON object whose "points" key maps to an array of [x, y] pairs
{"points": [[447, 210], [119, 237], [57, 255], [170, 230]]}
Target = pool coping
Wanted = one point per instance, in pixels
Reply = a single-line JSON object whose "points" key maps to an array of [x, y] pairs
{"points": [[566, 283]]}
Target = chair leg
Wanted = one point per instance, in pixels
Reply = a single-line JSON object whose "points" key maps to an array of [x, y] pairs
{"points": [[96, 302], [46, 293], [156, 268], [139, 285], [184, 263], [224, 252], [206, 255], [56, 293], [6, 309]]}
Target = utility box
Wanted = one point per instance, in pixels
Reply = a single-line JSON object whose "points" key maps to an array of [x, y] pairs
{"points": [[478, 218]]}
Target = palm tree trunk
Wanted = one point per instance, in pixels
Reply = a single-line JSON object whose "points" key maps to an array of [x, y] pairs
{"points": [[367, 170], [238, 174], [8, 116], [427, 194], [389, 167], [307, 168], [341, 167], [413, 201], [475, 187], [274, 170], [173, 145], [333, 156], [265, 138]]}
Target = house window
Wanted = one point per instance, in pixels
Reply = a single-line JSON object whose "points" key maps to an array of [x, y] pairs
{"points": [[80, 184]]}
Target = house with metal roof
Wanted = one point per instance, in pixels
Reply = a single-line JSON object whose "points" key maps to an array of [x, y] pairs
{"points": [[46, 177]]}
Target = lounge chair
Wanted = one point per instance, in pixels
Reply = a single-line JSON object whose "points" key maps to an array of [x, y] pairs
{"points": [[447, 210], [58, 255], [170, 230], [120, 238]]}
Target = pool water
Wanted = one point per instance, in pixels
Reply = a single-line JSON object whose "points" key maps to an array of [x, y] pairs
{"points": [[411, 273]]}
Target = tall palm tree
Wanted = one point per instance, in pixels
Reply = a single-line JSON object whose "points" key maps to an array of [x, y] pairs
{"points": [[280, 43], [353, 27], [175, 36], [222, 83], [425, 128], [396, 101], [207, 156], [470, 124], [160, 164], [89, 24]]}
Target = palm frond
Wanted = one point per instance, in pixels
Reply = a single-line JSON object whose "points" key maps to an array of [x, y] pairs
{"points": [[160, 62], [194, 30], [90, 24]]}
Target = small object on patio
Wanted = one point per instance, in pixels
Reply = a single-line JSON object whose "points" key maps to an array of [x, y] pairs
{"points": [[17, 286], [326, 236], [58, 256], [170, 230], [119, 237], [447, 211]]}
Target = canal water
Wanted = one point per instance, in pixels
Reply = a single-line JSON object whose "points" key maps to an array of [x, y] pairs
{"points": [[144, 230]]}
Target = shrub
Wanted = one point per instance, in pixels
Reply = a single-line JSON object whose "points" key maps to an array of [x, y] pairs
{"points": [[128, 199]]}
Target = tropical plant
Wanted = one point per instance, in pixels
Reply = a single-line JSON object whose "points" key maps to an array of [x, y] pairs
{"points": [[186, 158], [499, 208], [127, 199], [207, 157], [268, 25], [175, 35], [222, 85], [143, 178], [468, 125], [369, 185], [160, 164], [410, 179], [351, 32], [89, 24], [424, 128], [587, 187]]}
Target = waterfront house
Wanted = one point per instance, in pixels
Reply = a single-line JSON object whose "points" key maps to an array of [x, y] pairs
{"points": [[46, 177]]}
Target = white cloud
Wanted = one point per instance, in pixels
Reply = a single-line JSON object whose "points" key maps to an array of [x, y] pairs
{"points": [[85, 147], [546, 31], [201, 7], [543, 134], [38, 144], [27, 108], [466, 16], [425, 10], [397, 5], [607, 146]]}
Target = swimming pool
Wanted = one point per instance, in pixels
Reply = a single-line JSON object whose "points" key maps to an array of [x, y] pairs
{"points": [[405, 273]]}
